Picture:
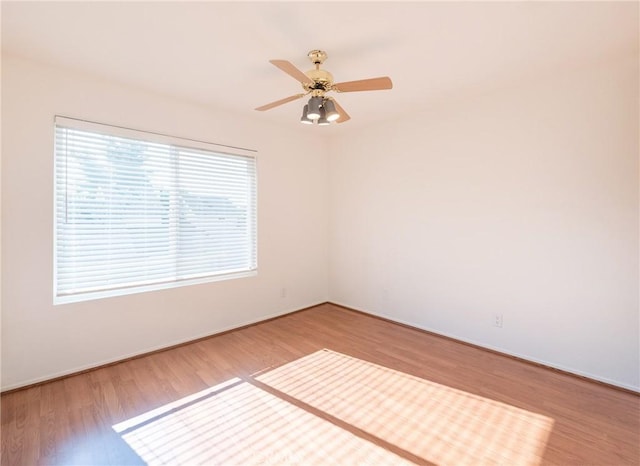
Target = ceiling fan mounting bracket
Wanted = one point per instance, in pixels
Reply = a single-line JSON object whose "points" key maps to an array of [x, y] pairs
{"points": [[317, 57]]}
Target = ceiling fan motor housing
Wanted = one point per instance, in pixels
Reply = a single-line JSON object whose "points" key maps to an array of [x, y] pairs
{"points": [[322, 80]]}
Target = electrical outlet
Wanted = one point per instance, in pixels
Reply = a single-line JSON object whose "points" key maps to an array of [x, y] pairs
{"points": [[283, 293], [497, 320]]}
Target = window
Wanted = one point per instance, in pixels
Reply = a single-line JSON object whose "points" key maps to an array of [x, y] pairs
{"points": [[137, 211]]}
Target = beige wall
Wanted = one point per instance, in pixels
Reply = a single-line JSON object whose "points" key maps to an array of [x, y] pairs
{"points": [[522, 202], [40, 340]]}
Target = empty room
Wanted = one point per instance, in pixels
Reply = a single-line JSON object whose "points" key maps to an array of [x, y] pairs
{"points": [[195, 272]]}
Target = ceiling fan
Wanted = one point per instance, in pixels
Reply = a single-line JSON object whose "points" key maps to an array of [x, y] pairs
{"points": [[320, 109]]}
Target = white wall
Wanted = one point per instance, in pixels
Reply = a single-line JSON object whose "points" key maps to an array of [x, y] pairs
{"points": [[39, 340], [522, 202]]}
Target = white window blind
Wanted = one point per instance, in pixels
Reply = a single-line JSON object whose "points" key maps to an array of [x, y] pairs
{"points": [[137, 211]]}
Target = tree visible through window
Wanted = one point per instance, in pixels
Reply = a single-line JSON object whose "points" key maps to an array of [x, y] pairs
{"points": [[133, 213]]}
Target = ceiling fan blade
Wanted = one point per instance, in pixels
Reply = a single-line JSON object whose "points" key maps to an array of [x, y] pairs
{"points": [[373, 84], [291, 70], [280, 102], [344, 116]]}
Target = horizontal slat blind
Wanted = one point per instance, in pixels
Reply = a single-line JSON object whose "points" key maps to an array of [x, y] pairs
{"points": [[133, 212]]}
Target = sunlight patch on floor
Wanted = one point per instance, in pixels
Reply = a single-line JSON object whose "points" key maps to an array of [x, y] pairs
{"points": [[242, 424], [238, 422], [437, 423]]}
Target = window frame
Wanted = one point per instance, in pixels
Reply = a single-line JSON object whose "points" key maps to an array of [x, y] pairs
{"points": [[175, 143]]}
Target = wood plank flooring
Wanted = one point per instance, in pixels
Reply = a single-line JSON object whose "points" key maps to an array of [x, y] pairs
{"points": [[321, 386]]}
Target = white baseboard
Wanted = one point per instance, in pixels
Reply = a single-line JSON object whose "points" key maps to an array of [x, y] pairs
{"points": [[498, 349], [148, 350]]}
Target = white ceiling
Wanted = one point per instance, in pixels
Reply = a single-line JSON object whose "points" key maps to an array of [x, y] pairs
{"points": [[217, 53]]}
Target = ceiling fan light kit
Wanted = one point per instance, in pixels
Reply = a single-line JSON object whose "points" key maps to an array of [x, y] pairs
{"points": [[330, 110], [305, 118], [314, 108], [322, 121], [316, 82]]}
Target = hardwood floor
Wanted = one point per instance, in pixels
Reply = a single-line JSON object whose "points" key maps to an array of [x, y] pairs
{"points": [[322, 386]]}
